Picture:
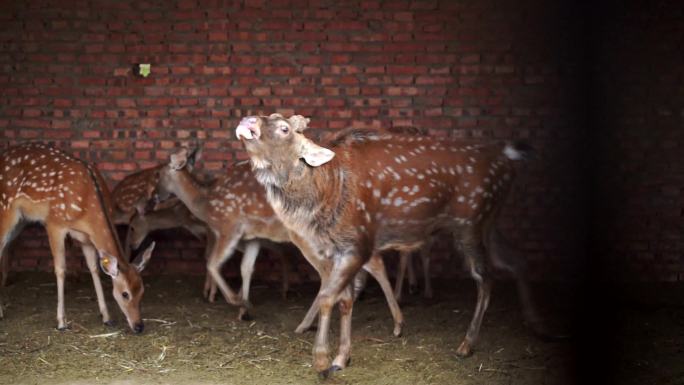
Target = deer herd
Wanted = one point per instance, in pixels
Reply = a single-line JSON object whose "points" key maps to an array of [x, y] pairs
{"points": [[341, 204]]}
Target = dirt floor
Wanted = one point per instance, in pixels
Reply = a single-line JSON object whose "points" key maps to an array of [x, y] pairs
{"points": [[188, 340]]}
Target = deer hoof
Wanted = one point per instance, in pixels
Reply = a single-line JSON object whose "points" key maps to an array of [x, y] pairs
{"points": [[244, 315], [111, 323], [327, 373], [464, 350], [397, 330], [62, 328]]}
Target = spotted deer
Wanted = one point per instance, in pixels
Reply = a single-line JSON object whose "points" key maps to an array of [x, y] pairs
{"points": [[235, 209], [69, 197], [178, 215], [133, 193], [370, 192]]}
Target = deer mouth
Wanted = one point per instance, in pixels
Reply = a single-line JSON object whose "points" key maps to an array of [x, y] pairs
{"points": [[248, 129]]}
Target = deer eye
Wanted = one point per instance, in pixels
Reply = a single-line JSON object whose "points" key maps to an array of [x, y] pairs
{"points": [[125, 294]]}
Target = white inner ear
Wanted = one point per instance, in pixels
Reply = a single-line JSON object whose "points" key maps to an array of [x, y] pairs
{"points": [[315, 155], [109, 264]]}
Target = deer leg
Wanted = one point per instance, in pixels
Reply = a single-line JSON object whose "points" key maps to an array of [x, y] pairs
{"points": [[343, 271], [209, 291], [345, 305], [413, 281], [376, 266], [313, 310], [222, 251], [4, 267], [404, 258], [285, 266], [56, 237], [91, 260], [323, 267], [360, 281], [425, 259], [10, 227], [504, 257], [475, 258], [246, 271]]}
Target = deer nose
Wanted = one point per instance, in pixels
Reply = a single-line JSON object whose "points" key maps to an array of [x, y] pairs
{"points": [[248, 128], [138, 328]]}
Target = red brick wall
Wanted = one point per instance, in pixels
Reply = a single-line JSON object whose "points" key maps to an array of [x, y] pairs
{"points": [[494, 69], [640, 150]]}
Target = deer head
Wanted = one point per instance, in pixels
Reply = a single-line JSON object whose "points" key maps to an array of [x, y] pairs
{"points": [[277, 144], [180, 161], [127, 286]]}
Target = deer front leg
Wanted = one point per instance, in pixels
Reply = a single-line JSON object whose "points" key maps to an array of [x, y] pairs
{"points": [[343, 271], [223, 249], [56, 238], [376, 267], [313, 309], [246, 270], [91, 260], [209, 291]]}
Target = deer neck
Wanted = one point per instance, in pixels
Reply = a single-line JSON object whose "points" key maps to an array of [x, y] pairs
{"points": [[191, 193]]}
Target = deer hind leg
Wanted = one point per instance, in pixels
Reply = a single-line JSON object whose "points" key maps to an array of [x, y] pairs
{"points": [[475, 258], [410, 269], [285, 269], [56, 237], [425, 259], [246, 270], [4, 267], [404, 259], [340, 279], [376, 267], [504, 257], [222, 250], [91, 260], [360, 281]]}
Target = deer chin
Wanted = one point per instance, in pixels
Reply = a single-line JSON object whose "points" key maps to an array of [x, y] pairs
{"points": [[259, 163]]}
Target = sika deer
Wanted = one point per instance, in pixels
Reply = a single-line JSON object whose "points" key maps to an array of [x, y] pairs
{"points": [[235, 209], [41, 184], [133, 194], [178, 215], [371, 192]]}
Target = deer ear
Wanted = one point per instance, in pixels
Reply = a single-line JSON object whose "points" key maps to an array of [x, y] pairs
{"points": [[298, 122], [109, 264], [179, 159], [144, 258], [194, 156], [315, 155]]}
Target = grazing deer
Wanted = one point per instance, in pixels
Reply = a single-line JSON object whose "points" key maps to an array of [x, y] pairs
{"points": [[235, 209], [69, 197], [370, 192]]}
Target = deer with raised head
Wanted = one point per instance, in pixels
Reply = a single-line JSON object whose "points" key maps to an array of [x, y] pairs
{"points": [[235, 209], [370, 192], [70, 198]]}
